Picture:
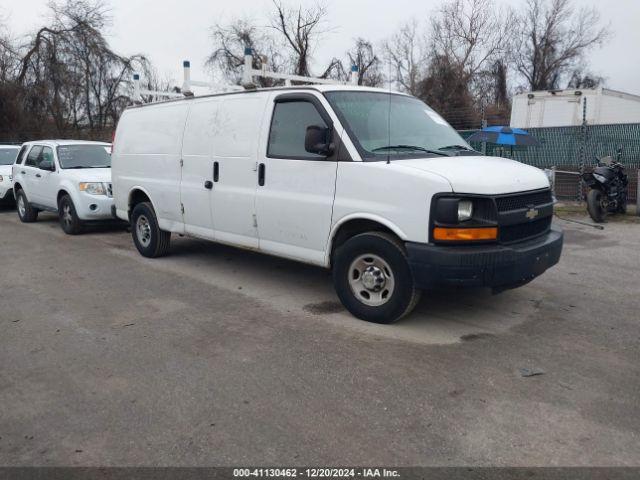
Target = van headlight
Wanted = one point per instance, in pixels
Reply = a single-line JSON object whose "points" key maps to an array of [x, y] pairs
{"points": [[465, 210], [463, 219], [93, 188]]}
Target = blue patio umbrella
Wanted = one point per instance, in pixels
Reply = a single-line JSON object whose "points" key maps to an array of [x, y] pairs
{"points": [[514, 137]]}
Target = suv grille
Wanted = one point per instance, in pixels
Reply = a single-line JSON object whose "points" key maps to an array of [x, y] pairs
{"points": [[516, 202]]}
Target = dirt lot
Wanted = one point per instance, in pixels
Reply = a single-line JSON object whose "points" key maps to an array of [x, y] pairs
{"points": [[216, 356]]}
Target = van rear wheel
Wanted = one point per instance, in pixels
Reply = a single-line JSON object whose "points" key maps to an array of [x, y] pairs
{"points": [[372, 278], [150, 241]]}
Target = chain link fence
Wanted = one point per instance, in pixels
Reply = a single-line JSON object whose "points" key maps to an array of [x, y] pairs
{"points": [[567, 150]]}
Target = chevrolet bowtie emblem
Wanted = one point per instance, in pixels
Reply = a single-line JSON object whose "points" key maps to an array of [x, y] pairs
{"points": [[531, 213]]}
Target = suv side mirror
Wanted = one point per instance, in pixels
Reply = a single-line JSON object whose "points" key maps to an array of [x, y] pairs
{"points": [[318, 140], [47, 165]]}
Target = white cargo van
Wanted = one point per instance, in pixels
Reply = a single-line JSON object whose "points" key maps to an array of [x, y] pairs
{"points": [[372, 184]]}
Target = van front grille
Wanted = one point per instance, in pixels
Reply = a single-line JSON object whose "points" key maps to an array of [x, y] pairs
{"points": [[516, 202]]}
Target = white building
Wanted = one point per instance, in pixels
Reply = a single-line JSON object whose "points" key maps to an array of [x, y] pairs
{"points": [[561, 108]]}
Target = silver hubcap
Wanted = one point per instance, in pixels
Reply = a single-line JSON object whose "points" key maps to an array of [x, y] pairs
{"points": [[21, 207], [143, 231], [66, 215], [371, 280]]}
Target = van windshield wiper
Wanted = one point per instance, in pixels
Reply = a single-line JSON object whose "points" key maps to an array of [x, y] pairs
{"points": [[458, 147], [414, 148]]}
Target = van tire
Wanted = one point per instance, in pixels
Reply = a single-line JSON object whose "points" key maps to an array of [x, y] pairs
{"points": [[150, 241], [382, 258], [69, 221], [26, 212]]}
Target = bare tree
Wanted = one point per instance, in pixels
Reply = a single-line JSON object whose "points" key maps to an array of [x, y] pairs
{"points": [[68, 73], [581, 78], [407, 55], [301, 29], [470, 34], [552, 38], [363, 56], [230, 42]]}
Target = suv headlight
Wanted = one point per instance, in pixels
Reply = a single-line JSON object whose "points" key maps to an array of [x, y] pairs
{"points": [[93, 188]]}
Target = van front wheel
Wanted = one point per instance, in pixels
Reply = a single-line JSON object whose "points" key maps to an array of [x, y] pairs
{"points": [[372, 278], [150, 241]]}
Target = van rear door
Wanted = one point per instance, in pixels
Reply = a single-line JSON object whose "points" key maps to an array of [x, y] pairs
{"points": [[294, 200]]}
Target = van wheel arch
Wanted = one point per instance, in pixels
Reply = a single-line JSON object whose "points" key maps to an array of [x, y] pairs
{"points": [[136, 197], [355, 227]]}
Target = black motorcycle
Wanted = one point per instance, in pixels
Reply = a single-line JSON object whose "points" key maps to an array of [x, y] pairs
{"points": [[607, 188]]}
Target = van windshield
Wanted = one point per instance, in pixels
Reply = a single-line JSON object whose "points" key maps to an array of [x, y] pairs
{"points": [[388, 125], [84, 156], [8, 155]]}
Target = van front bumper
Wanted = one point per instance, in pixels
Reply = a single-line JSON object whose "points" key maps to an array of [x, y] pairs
{"points": [[497, 266]]}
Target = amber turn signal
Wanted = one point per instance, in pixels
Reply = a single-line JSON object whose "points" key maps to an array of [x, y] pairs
{"points": [[464, 234]]}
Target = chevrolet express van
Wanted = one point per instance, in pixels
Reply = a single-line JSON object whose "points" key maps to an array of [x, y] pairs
{"points": [[371, 184]]}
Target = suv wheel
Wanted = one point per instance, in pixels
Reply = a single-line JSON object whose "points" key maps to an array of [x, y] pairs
{"points": [[372, 278], [26, 212], [150, 241], [69, 220]]}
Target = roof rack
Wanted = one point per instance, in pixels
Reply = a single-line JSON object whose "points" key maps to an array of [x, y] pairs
{"points": [[248, 74]]}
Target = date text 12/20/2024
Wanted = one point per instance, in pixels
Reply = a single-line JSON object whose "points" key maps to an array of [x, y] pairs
{"points": [[315, 473]]}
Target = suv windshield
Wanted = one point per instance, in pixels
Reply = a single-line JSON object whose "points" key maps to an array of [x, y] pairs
{"points": [[389, 125], [8, 155], [84, 156]]}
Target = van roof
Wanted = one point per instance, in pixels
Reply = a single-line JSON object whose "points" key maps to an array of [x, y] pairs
{"points": [[319, 88]]}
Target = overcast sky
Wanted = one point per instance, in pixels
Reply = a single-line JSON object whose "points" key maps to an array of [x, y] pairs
{"points": [[170, 31]]}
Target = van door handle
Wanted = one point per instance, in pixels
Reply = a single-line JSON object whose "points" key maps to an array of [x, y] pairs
{"points": [[23, 172], [216, 171], [208, 184], [38, 175], [261, 169]]}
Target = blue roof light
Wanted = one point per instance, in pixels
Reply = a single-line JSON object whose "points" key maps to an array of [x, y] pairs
{"points": [[248, 51], [136, 76], [186, 64]]}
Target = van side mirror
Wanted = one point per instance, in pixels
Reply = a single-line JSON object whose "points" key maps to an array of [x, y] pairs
{"points": [[317, 140], [47, 165]]}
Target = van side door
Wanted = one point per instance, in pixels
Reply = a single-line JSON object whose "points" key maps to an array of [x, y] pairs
{"points": [[236, 133], [196, 185], [296, 189]]}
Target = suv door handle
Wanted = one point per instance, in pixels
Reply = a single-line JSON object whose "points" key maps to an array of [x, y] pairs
{"points": [[216, 171], [261, 175], [208, 184], [38, 175], [23, 172]]}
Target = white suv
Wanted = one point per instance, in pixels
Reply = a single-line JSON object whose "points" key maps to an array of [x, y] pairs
{"points": [[8, 155], [72, 178]]}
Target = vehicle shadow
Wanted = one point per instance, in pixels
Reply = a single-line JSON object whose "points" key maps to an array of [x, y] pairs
{"points": [[442, 316], [91, 228]]}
